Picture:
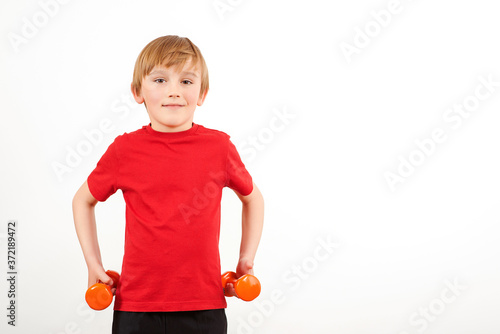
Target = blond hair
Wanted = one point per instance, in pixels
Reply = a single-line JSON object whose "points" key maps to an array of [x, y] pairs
{"points": [[169, 51]]}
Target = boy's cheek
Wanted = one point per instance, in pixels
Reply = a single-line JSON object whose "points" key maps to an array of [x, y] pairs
{"points": [[152, 98]]}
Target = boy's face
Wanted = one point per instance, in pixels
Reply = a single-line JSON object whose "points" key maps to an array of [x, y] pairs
{"points": [[171, 96]]}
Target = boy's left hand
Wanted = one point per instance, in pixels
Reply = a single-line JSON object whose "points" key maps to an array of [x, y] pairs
{"points": [[245, 266]]}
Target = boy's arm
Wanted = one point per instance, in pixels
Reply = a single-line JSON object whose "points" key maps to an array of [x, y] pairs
{"points": [[252, 224], [85, 225]]}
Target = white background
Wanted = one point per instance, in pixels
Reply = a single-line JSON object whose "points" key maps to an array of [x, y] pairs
{"points": [[351, 119]]}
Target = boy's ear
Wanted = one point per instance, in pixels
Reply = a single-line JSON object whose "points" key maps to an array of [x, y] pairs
{"points": [[137, 96], [202, 97]]}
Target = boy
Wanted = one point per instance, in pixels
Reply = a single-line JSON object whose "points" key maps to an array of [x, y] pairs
{"points": [[171, 173]]}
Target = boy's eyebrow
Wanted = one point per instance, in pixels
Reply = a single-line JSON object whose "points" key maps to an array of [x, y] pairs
{"points": [[160, 71], [189, 73]]}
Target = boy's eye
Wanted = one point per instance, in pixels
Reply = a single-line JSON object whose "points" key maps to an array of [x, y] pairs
{"points": [[187, 82], [160, 80]]}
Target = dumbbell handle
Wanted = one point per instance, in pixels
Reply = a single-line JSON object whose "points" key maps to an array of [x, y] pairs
{"points": [[247, 287], [99, 295]]}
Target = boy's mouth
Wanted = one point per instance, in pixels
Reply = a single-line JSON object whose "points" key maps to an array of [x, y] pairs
{"points": [[172, 105]]}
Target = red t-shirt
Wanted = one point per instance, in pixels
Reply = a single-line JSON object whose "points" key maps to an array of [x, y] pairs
{"points": [[172, 185]]}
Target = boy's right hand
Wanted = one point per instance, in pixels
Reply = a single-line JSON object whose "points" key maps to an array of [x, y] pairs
{"points": [[244, 267], [98, 275]]}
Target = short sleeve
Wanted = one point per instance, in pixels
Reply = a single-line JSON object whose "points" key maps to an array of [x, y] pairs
{"points": [[102, 181], [237, 176]]}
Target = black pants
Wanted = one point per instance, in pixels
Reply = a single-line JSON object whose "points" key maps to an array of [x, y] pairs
{"points": [[189, 322]]}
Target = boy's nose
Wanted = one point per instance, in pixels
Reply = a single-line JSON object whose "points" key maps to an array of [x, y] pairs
{"points": [[172, 90]]}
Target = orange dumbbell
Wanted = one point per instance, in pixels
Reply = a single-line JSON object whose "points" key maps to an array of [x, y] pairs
{"points": [[99, 295], [247, 287]]}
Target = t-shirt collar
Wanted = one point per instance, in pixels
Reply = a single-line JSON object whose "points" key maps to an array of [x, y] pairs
{"points": [[177, 134]]}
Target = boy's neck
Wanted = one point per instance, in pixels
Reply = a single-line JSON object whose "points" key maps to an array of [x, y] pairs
{"points": [[167, 128]]}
